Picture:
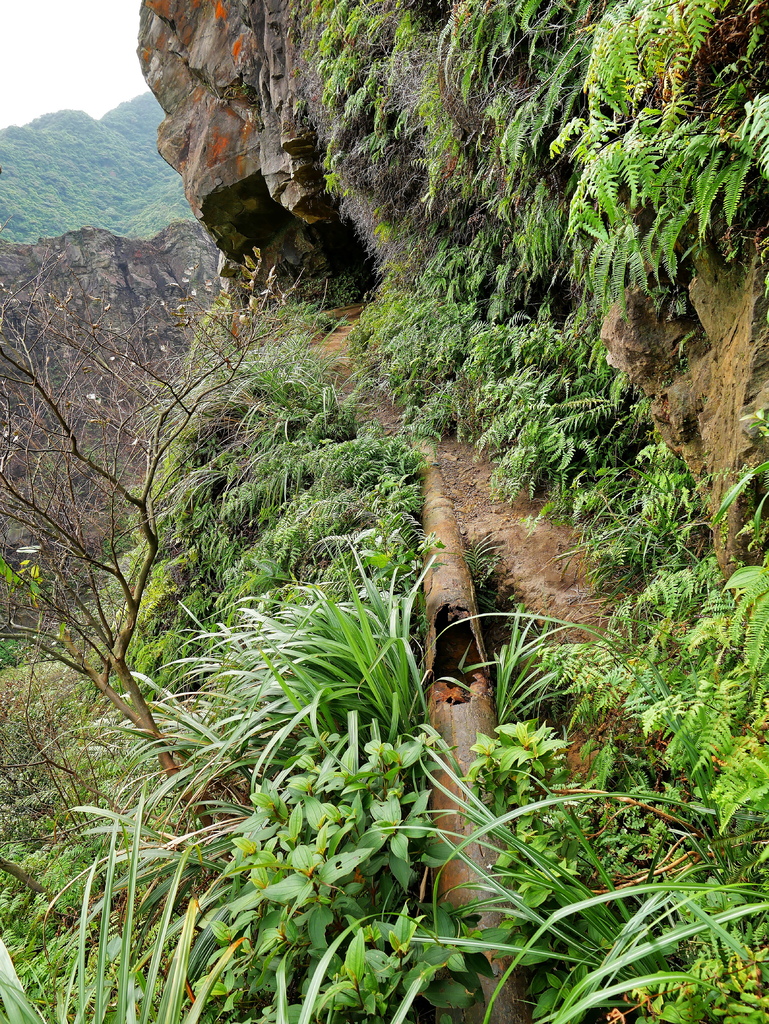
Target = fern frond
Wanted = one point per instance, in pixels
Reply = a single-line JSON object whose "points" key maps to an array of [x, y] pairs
{"points": [[755, 131]]}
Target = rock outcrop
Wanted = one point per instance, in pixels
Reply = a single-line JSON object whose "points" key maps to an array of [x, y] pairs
{"points": [[708, 378], [223, 73], [119, 279]]}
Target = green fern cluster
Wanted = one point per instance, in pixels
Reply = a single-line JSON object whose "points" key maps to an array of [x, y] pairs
{"points": [[751, 587], [638, 520], [498, 136], [684, 593], [519, 69], [729, 982], [704, 700], [536, 396], [437, 131], [673, 135], [689, 600], [360, 75], [270, 473], [595, 675], [347, 487], [599, 682], [549, 407]]}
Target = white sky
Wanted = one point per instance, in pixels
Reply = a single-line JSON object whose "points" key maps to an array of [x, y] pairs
{"points": [[67, 54]]}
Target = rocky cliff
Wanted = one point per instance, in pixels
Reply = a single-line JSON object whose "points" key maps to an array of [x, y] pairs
{"points": [[114, 277], [237, 86], [223, 73], [708, 378]]}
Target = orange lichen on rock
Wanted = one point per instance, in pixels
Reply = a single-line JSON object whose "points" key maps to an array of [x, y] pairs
{"points": [[242, 162], [163, 8], [218, 147], [227, 88]]}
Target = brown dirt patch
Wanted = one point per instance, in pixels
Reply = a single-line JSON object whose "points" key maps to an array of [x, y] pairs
{"points": [[537, 566]]}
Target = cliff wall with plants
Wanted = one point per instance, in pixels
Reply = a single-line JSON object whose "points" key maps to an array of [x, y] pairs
{"points": [[228, 564], [551, 162]]}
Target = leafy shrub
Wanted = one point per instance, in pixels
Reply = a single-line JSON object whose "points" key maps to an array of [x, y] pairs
{"points": [[606, 893], [328, 864]]}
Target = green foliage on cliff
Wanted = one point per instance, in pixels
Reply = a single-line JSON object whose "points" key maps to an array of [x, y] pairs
{"points": [[534, 395], [281, 871], [524, 135], [66, 170], [520, 164], [671, 151]]}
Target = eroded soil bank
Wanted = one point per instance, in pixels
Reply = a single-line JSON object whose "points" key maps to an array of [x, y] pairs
{"points": [[537, 563]]}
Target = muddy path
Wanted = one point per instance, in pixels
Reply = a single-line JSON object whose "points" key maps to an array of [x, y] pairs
{"points": [[536, 561]]}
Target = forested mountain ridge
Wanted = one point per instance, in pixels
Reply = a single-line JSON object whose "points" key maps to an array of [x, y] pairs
{"points": [[65, 170]]}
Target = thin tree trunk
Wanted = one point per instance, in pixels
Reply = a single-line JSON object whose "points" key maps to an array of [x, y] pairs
{"points": [[458, 713], [19, 873], [143, 716]]}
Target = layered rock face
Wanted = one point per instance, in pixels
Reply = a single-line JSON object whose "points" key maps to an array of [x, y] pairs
{"points": [[223, 72], [114, 278], [88, 291], [708, 379]]}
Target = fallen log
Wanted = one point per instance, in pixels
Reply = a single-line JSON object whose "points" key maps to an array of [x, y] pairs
{"points": [[461, 704]]}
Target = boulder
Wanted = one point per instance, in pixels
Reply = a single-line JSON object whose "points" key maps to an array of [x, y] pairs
{"points": [[708, 378]]}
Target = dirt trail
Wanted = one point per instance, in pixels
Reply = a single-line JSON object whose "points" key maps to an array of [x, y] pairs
{"points": [[535, 565]]}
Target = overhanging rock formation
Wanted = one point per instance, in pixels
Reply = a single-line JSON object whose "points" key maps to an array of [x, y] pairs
{"points": [[222, 71]]}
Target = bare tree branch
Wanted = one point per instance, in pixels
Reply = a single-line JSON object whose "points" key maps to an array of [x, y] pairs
{"points": [[88, 418], [19, 873]]}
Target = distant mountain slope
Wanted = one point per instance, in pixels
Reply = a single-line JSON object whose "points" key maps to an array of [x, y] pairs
{"points": [[66, 170], [111, 279]]}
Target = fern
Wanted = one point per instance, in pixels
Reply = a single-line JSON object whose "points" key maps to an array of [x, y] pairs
{"points": [[755, 131], [596, 675], [744, 780], [681, 164], [751, 587], [277, 466]]}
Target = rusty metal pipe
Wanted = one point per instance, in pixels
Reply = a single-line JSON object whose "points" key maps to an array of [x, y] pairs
{"points": [[461, 704]]}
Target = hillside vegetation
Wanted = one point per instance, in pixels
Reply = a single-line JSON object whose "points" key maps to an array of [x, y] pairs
{"points": [[66, 170], [250, 829]]}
